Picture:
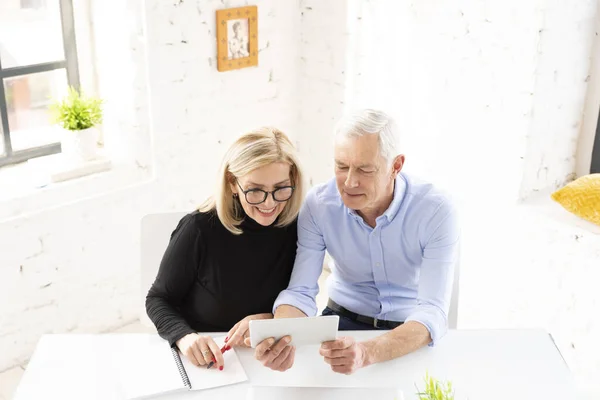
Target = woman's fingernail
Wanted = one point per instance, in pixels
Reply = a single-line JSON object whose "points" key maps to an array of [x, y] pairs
{"points": [[226, 339], [221, 368], [227, 347]]}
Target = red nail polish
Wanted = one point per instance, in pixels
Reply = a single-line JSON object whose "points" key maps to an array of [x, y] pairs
{"points": [[221, 368], [226, 339], [227, 347]]}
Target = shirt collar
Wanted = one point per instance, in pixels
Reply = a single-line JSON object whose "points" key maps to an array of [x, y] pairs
{"points": [[399, 191], [392, 210]]}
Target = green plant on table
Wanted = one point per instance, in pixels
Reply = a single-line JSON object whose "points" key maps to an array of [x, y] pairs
{"points": [[76, 111], [436, 390]]}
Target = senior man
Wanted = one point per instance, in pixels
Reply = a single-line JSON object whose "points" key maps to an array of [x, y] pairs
{"points": [[394, 241]]}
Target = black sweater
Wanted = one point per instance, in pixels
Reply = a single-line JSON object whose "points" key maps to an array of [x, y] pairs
{"points": [[209, 278]]}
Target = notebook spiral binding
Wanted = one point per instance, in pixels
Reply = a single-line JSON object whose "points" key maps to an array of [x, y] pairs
{"points": [[184, 375]]}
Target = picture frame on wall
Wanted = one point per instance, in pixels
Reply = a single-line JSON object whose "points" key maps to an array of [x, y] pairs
{"points": [[237, 38]]}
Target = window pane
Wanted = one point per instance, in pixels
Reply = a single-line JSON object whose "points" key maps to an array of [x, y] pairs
{"points": [[30, 32], [27, 98]]}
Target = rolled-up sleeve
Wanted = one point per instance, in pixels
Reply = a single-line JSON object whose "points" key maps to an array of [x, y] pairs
{"points": [[440, 252], [304, 287]]}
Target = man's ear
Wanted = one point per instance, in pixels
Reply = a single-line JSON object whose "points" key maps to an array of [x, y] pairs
{"points": [[397, 165]]}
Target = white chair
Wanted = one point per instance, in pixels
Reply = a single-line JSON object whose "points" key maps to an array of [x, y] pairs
{"points": [[453, 312], [155, 235]]}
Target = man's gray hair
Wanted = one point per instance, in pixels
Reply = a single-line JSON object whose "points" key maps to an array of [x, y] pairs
{"points": [[369, 121]]}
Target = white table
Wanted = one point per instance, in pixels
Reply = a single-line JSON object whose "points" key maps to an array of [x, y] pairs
{"points": [[482, 364]]}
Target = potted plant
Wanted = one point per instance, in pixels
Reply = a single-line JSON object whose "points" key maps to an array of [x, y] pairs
{"points": [[78, 116], [435, 390]]}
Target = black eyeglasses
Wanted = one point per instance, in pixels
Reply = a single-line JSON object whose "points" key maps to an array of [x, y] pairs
{"points": [[257, 196]]}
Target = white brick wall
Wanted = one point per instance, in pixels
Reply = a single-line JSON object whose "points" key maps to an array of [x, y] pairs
{"points": [[567, 33], [473, 85], [72, 269], [198, 110]]}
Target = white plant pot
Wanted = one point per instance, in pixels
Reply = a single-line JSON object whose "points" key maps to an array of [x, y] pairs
{"points": [[78, 146]]}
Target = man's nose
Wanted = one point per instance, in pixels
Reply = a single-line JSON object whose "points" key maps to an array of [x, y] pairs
{"points": [[351, 180]]}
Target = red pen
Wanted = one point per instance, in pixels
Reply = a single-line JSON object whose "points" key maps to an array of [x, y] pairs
{"points": [[223, 350]]}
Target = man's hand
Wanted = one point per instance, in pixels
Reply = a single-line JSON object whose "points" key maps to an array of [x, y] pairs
{"points": [[240, 331], [345, 355], [275, 355]]}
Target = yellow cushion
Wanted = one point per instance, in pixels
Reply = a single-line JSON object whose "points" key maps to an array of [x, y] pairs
{"points": [[581, 197]]}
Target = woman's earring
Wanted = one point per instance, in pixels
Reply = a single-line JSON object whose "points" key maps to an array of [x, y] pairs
{"points": [[235, 195]]}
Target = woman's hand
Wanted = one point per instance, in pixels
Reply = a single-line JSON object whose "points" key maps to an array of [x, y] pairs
{"points": [[200, 350], [241, 330]]}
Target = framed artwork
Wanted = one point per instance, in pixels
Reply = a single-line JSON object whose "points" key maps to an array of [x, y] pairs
{"points": [[237, 38]]}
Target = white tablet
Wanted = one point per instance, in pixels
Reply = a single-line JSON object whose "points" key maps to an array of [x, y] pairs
{"points": [[307, 330]]}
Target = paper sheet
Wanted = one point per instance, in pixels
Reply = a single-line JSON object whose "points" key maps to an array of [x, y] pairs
{"points": [[146, 367]]}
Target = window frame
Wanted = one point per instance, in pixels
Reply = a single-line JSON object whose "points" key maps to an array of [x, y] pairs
{"points": [[70, 63]]}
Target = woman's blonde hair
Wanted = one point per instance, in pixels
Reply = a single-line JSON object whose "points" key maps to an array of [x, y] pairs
{"points": [[251, 151]]}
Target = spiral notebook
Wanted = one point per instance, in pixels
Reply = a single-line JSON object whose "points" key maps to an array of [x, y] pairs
{"points": [[149, 367]]}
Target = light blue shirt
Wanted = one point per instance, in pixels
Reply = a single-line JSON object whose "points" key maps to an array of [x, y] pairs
{"points": [[401, 270]]}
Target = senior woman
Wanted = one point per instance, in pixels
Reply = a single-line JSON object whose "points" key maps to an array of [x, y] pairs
{"points": [[227, 261]]}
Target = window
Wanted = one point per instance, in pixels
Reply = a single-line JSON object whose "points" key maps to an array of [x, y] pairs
{"points": [[38, 60]]}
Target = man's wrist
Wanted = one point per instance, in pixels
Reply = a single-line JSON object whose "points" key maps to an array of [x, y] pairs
{"points": [[369, 352]]}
